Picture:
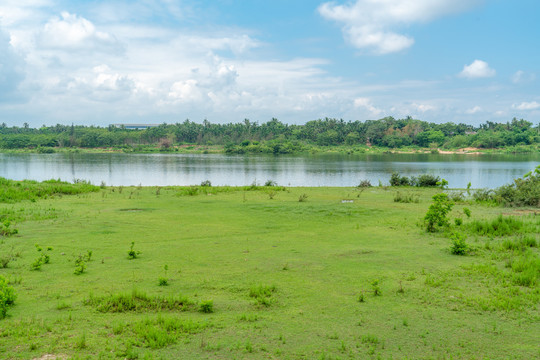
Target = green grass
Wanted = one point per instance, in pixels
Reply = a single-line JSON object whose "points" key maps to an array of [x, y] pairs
{"points": [[251, 277]]}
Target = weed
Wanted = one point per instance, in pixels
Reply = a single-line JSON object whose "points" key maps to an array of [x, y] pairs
{"points": [[467, 211], [7, 296], [262, 294], [162, 281], [400, 290], [206, 183], [136, 301], [500, 226], [80, 265], [458, 221], [302, 198], [361, 298], [270, 183], [375, 287], [62, 306], [6, 229], [80, 344], [132, 254], [206, 307], [364, 184], [271, 194], [405, 198]]}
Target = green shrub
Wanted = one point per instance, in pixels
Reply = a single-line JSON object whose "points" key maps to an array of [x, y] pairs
{"points": [[302, 198], [207, 306], [523, 192], [459, 244], [458, 221], [436, 215], [7, 296], [6, 229], [398, 180], [467, 212], [364, 184], [163, 281]]}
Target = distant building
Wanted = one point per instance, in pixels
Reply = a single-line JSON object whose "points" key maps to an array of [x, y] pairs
{"points": [[135, 126]]}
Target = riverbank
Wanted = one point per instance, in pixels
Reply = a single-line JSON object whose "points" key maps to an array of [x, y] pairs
{"points": [[304, 149], [165, 272]]}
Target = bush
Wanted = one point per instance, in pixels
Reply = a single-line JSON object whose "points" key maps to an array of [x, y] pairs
{"points": [[523, 192], [207, 306], [7, 296], [262, 294], [132, 254], [426, 180], [459, 245], [364, 184], [436, 215], [398, 180]]}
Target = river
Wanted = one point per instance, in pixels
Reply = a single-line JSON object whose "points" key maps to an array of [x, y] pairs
{"points": [[295, 170]]}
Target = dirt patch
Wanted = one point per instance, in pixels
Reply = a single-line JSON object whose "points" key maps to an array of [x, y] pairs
{"points": [[51, 357]]}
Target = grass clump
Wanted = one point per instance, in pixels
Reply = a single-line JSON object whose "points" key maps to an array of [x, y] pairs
{"points": [[12, 191], [132, 253], [262, 294], [163, 331], [137, 301], [405, 198], [500, 226]]}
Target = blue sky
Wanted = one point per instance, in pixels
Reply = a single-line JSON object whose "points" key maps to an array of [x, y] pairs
{"points": [[102, 62]]}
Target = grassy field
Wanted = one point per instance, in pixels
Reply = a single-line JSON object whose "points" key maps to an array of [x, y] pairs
{"points": [[235, 273]]}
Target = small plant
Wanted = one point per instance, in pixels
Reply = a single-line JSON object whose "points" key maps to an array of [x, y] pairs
{"points": [[132, 254], [81, 342], [80, 265], [271, 194], [375, 287], [443, 184], [6, 229], [158, 190], [436, 215], [405, 198], [206, 183], [361, 298], [270, 183], [302, 198], [163, 281], [207, 306], [7, 296], [400, 290], [458, 221], [467, 212], [459, 245]]}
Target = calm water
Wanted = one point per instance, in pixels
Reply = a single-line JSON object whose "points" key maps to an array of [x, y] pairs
{"points": [[306, 170]]}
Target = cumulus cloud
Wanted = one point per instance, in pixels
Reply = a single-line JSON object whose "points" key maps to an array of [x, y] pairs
{"points": [[11, 69], [71, 32], [374, 25], [477, 69], [533, 105]]}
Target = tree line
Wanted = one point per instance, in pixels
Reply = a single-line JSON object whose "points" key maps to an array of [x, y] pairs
{"points": [[275, 136]]}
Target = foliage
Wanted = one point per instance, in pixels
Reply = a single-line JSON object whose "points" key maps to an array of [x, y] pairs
{"points": [[459, 244], [7, 296], [406, 198], [6, 229], [364, 184], [523, 192], [206, 306], [274, 137], [500, 226], [12, 191], [436, 215]]}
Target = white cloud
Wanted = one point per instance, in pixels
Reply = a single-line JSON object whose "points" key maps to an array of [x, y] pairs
{"points": [[72, 32], [533, 105], [374, 25], [366, 103], [522, 77], [473, 110], [11, 69], [477, 69]]}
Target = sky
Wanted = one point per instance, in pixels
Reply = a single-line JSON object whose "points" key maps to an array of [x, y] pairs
{"points": [[99, 62]]}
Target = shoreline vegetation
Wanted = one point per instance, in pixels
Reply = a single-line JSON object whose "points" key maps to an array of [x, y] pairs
{"points": [[411, 270], [386, 135]]}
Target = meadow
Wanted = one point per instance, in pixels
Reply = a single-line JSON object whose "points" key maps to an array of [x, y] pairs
{"points": [[267, 272]]}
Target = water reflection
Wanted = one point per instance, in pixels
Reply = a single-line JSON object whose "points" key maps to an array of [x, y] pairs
{"points": [[308, 170]]}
